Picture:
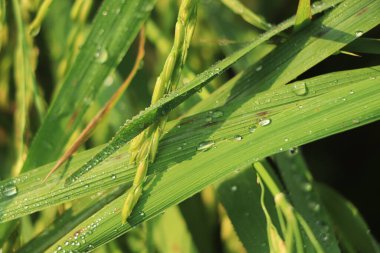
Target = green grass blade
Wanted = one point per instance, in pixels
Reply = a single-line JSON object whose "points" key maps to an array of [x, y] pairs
{"points": [[185, 177], [305, 199], [349, 224], [131, 128], [34, 194], [239, 196], [303, 14], [298, 54], [113, 31]]}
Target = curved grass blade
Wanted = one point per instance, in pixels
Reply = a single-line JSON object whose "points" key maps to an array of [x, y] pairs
{"points": [[32, 195], [151, 114], [113, 31], [186, 177]]}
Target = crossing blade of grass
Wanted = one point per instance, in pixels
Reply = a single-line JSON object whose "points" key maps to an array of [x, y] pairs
{"points": [[180, 177], [153, 112], [115, 27], [34, 195], [131, 128], [294, 57], [350, 227]]}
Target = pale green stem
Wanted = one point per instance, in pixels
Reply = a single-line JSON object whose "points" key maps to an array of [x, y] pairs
{"points": [[143, 148], [35, 26]]}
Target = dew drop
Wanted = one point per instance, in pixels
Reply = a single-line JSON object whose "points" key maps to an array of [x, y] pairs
{"points": [[300, 89], [234, 188], [324, 236], [141, 213], [113, 176], [101, 55], [35, 31], [286, 139], [109, 81], [317, 4], [209, 119], [314, 206], [265, 122], [238, 137], [217, 114], [306, 186], [252, 129], [259, 68], [205, 145], [10, 191], [358, 33]]}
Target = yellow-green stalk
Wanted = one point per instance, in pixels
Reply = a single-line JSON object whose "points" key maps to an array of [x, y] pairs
{"points": [[35, 26], [143, 148]]}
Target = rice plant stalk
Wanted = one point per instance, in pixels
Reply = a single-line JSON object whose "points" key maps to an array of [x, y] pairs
{"points": [[143, 148]]}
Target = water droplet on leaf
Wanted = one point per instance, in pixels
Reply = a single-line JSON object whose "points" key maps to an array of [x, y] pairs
{"points": [[306, 187], [217, 114], [205, 145], [10, 191], [300, 89], [238, 137], [101, 55], [358, 33], [252, 129], [265, 122]]}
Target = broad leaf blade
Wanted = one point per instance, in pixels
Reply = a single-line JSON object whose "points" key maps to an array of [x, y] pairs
{"points": [[186, 177], [33, 194]]}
